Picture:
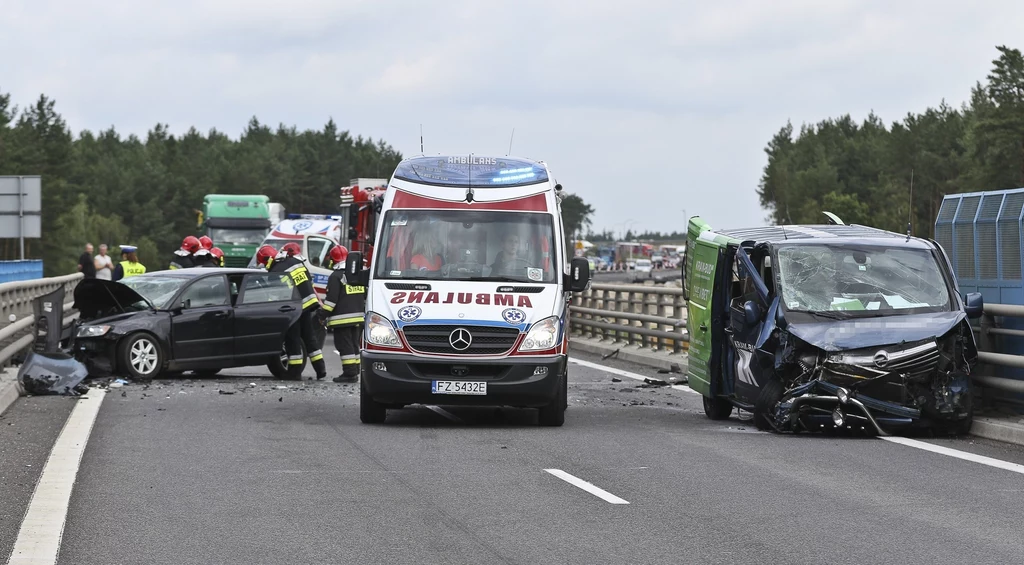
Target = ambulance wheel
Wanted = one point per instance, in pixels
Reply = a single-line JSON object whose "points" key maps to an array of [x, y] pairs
{"points": [[717, 408], [370, 411], [770, 395], [554, 413]]}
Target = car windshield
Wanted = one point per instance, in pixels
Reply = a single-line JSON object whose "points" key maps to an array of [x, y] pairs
{"points": [[237, 236], [867, 280], [467, 245], [158, 290]]}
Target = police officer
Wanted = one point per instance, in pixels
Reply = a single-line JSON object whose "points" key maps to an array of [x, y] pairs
{"points": [[344, 306], [129, 265], [289, 261], [183, 257]]}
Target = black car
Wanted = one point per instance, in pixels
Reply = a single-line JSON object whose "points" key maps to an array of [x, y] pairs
{"points": [[200, 320]]}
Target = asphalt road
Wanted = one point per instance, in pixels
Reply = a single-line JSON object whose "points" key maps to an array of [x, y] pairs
{"points": [[180, 473]]}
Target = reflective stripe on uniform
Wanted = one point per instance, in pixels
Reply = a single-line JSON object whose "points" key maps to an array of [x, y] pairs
{"points": [[309, 301], [328, 305], [346, 319], [316, 355], [295, 360], [350, 361]]}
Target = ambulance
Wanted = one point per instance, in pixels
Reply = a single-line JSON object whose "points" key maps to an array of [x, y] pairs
{"points": [[468, 289], [317, 234]]}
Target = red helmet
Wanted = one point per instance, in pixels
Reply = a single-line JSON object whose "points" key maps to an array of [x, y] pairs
{"points": [[265, 254], [338, 254], [206, 242], [190, 244], [292, 249], [216, 252]]}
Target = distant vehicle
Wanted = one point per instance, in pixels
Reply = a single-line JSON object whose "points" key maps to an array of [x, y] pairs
{"points": [[643, 265], [277, 213], [361, 204], [828, 326], [658, 260], [316, 234], [236, 223], [200, 320]]}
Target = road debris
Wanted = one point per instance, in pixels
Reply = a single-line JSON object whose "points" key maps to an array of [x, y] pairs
{"points": [[655, 382], [222, 391], [53, 373], [616, 380]]}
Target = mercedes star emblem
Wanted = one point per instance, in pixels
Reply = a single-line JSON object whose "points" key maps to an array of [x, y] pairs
{"points": [[460, 339], [881, 358]]}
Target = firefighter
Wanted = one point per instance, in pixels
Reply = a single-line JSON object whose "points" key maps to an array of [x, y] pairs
{"points": [[129, 265], [183, 257], [218, 257], [203, 258], [293, 337], [343, 307], [290, 261]]}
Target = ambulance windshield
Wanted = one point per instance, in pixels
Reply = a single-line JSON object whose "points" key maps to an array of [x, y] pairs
{"points": [[467, 245]]}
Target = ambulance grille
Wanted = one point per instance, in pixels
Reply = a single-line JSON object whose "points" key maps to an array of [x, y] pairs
{"points": [[435, 339]]}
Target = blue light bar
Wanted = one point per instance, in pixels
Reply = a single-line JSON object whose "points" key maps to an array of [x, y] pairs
{"points": [[464, 171]]}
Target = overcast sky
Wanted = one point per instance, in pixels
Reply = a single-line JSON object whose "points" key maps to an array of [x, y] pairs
{"points": [[643, 108]]}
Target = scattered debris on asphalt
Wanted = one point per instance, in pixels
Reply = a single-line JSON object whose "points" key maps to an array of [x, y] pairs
{"points": [[53, 373], [655, 382], [616, 380], [612, 354], [222, 391], [281, 399]]}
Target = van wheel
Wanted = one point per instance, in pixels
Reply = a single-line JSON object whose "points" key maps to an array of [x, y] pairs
{"points": [[717, 408], [554, 413], [141, 357], [770, 395], [370, 411]]}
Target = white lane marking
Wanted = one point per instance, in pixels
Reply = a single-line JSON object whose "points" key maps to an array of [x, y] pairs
{"points": [[626, 374], [41, 531], [589, 487], [444, 413], [997, 463]]}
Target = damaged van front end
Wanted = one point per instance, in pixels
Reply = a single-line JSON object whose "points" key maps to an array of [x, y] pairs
{"points": [[878, 387]]}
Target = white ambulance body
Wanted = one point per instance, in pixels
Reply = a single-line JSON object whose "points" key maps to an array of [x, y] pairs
{"points": [[468, 289], [316, 234]]}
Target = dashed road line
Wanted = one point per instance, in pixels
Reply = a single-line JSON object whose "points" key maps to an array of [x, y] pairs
{"points": [[589, 487], [39, 539]]}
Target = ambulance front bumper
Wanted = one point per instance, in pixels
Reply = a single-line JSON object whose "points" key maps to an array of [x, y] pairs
{"points": [[402, 379]]}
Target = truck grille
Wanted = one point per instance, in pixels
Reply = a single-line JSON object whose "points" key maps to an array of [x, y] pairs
{"points": [[436, 339]]}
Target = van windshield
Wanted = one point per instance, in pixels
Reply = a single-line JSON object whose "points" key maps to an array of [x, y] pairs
{"points": [[866, 280], [467, 245]]}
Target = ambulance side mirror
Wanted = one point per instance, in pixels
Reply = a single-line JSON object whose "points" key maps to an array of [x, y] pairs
{"points": [[579, 275], [354, 271]]}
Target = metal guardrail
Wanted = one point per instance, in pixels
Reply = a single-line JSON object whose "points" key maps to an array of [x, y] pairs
{"points": [[650, 316], [16, 300]]}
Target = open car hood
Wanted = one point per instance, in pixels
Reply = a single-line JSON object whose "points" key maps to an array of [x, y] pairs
{"points": [[97, 295], [855, 333]]}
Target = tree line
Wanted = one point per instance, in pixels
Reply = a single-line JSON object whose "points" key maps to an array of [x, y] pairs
{"points": [[863, 172], [107, 188]]}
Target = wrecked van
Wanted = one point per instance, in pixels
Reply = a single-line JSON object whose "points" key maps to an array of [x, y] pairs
{"points": [[815, 327]]}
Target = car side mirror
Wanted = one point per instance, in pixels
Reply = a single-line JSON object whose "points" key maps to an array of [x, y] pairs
{"points": [[579, 274], [751, 313], [354, 270], [974, 304]]}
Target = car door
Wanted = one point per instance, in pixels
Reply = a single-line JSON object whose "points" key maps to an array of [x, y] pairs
{"points": [[318, 251], [700, 280], [748, 307], [265, 309], [202, 324]]}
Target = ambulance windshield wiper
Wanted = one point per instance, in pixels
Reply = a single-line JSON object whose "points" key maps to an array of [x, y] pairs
{"points": [[493, 278]]}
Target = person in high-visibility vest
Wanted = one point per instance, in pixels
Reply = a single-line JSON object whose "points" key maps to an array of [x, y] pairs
{"points": [[129, 265]]}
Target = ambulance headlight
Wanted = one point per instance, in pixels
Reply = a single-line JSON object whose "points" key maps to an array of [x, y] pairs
{"points": [[379, 331], [543, 335]]}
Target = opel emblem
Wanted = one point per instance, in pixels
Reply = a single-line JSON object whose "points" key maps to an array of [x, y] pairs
{"points": [[881, 358], [460, 339]]}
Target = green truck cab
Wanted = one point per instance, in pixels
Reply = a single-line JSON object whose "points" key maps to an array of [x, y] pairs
{"points": [[814, 327], [237, 224]]}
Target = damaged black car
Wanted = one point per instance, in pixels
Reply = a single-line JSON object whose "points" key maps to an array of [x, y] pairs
{"points": [[829, 326], [168, 322]]}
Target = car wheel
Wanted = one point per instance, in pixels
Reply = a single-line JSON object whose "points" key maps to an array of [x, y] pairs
{"points": [[554, 413], [717, 408], [770, 395], [140, 356], [278, 365], [962, 426], [370, 411]]}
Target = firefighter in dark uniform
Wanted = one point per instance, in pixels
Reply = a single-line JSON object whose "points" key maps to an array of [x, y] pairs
{"points": [[203, 257], [343, 307], [289, 261], [183, 258], [293, 337], [218, 258]]}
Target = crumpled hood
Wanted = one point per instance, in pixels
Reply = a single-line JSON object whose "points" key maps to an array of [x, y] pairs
{"points": [[837, 335], [98, 295], [485, 303]]}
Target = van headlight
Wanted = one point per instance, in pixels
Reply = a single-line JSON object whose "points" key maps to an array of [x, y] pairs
{"points": [[543, 335], [379, 331], [92, 331]]}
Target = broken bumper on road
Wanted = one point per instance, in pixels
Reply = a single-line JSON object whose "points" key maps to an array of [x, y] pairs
{"points": [[818, 404]]}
